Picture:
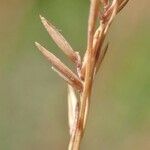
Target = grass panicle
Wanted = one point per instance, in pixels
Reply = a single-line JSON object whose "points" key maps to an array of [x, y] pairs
{"points": [[102, 12]]}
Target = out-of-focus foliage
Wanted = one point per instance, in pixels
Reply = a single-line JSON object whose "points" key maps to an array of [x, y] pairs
{"points": [[33, 106]]}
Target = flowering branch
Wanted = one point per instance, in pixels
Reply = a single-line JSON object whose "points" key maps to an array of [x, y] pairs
{"points": [[103, 13]]}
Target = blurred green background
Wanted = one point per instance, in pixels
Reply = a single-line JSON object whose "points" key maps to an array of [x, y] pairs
{"points": [[33, 105]]}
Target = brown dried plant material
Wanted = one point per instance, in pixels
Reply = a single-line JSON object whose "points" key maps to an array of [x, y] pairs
{"points": [[105, 3], [82, 81], [61, 42], [108, 12], [94, 10], [114, 8], [101, 57], [93, 15], [122, 4], [72, 108], [63, 70]]}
